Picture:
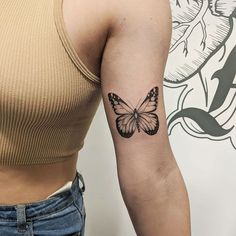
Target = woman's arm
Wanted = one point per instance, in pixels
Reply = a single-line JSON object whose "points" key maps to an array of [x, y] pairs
{"points": [[132, 88]]}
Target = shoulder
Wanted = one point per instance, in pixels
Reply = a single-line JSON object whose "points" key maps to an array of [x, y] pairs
{"points": [[112, 13], [131, 15], [97, 26]]}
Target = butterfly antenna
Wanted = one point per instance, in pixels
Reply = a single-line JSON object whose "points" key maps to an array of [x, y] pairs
{"points": [[130, 104], [138, 102]]}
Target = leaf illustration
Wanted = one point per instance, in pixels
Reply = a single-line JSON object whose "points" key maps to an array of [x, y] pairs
{"points": [[226, 77], [205, 121], [197, 36]]}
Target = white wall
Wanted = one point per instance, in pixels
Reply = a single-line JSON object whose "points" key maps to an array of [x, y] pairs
{"points": [[207, 160]]}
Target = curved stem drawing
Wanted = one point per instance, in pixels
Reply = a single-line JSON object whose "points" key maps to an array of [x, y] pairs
{"points": [[205, 86]]}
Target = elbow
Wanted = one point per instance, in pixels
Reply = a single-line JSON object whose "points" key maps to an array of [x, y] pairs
{"points": [[155, 183]]}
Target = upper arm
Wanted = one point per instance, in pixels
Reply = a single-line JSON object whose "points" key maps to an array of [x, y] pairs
{"points": [[133, 65]]}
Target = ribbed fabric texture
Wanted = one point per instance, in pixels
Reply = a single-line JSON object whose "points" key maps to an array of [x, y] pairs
{"points": [[48, 97]]}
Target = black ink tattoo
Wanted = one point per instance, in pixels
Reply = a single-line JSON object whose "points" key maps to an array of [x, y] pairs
{"points": [[131, 118]]}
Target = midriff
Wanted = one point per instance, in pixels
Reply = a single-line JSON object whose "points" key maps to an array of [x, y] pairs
{"points": [[25, 184]]}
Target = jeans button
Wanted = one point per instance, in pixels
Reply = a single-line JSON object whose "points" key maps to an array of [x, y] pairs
{"points": [[23, 227]]}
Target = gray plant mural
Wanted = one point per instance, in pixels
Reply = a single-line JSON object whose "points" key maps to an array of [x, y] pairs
{"points": [[204, 44]]}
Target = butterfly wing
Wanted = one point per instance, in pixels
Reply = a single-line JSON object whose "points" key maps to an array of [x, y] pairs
{"points": [[148, 121], [125, 122], [150, 102], [126, 125], [119, 106]]}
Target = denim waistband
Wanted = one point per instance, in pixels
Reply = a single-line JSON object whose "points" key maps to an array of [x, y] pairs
{"points": [[44, 207]]}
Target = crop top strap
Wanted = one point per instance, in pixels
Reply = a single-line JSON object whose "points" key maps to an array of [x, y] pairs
{"points": [[67, 43]]}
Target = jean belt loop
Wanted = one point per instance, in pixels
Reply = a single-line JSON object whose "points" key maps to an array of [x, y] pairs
{"points": [[21, 218], [82, 180]]}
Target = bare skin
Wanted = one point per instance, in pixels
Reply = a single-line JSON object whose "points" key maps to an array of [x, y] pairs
{"points": [[24, 184]]}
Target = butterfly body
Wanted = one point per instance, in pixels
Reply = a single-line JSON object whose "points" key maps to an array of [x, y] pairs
{"points": [[136, 117], [141, 117]]}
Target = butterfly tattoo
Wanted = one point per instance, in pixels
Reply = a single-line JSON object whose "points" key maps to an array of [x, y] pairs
{"points": [[141, 117]]}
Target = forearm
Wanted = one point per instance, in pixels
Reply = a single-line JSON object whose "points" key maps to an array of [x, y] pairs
{"points": [[158, 205]]}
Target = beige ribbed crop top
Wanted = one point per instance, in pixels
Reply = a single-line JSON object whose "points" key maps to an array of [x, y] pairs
{"points": [[48, 97]]}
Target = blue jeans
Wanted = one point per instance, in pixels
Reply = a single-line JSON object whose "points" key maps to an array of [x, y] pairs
{"points": [[60, 215]]}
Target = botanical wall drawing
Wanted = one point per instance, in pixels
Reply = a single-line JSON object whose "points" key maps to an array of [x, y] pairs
{"points": [[202, 63]]}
